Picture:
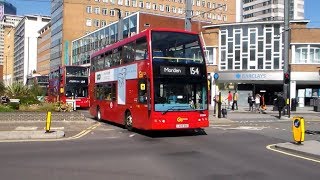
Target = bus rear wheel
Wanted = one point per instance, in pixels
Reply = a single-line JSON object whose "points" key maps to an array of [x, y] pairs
{"points": [[98, 114], [128, 121]]}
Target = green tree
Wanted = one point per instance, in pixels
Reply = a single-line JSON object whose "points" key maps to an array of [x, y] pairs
{"points": [[22, 92], [17, 90]]}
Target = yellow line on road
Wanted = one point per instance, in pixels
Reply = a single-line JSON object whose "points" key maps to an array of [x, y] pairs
{"points": [[77, 136], [84, 132], [290, 154]]}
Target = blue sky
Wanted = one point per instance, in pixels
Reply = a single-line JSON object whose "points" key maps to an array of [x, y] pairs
{"points": [[42, 7]]}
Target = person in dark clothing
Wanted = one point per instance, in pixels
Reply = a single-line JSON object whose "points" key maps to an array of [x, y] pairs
{"points": [[280, 103], [250, 102]]}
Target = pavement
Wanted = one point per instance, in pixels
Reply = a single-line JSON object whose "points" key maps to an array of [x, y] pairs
{"points": [[308, 148], [25, 135]]}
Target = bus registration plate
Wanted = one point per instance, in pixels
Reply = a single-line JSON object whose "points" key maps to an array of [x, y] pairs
{"points": [[182, 125]]}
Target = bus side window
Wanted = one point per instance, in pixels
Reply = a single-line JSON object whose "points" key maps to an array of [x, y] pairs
{"points": [[141, 49], [142, 91], [114, 92], [128, 53]]}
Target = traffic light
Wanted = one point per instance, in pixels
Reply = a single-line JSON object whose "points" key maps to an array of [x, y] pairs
{"points": [[286, 78]]}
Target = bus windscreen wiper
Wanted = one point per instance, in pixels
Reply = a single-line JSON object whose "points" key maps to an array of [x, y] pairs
{"points": [[173, 108]]}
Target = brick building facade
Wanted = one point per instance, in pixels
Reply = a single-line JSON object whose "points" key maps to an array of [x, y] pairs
{"points": [[72, 19]]}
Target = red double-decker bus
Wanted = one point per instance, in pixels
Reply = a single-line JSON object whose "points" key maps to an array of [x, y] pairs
{"points": [[154, 80], [69, 83]]}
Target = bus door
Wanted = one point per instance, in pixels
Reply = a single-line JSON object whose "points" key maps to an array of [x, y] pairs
{"points": [[143, 102]]}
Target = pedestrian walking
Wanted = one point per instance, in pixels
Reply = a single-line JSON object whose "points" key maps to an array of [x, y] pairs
{"points": [[250, 102], [280, 103], [263, 103], [257, 102], [229, 98], [235, 101]]}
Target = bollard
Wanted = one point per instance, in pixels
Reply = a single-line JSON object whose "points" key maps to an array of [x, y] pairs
{"points": [[298, 129], [48, 122]]}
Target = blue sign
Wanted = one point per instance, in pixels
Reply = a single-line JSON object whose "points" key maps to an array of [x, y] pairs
{"points": [[296, 123], [216, 76]]}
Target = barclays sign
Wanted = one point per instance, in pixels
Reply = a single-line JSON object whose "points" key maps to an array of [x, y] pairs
{"points": [[251, 76]]}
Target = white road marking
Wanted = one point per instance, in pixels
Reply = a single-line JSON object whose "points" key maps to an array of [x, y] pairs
{"points": [[132, 135], [222, 125], [242, 128], [271, 147], [26, 128]]}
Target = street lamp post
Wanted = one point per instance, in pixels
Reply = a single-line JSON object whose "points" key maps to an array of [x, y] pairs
{"points": [[120, 25], [189, 15], [286, 69]]}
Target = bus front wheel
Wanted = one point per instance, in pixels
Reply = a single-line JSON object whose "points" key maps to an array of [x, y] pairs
{"points": [[128, 121]]}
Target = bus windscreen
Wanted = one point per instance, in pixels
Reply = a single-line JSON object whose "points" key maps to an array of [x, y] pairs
{"points": [[176, 47]]}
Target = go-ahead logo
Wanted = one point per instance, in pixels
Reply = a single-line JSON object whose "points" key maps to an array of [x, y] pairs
{"points": [[181, 119], [98, 76]]}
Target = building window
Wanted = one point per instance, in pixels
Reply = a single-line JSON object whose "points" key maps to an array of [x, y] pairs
{"points": [[105, 1], [208, 4], [243, 47], [88, 22], [315, 54], [198, 2], [161, 7], [103, 23], [97, 10], [154, 6], [127, 3], [167, 8], [210, 55], [307, 54], [104, 11], [120, 2], [127, 13], [148, 5], [112, 12], [89, 9], [141, 5], [134, 3], [96, 23], [174, 10], [97, 0], [224, 18]]}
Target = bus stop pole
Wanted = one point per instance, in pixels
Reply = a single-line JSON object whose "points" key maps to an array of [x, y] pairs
{"points": [[219, 105]]}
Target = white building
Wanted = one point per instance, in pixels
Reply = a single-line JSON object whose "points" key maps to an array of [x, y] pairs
{"points": [[25, 46], [11, 21], [266, 10]]}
